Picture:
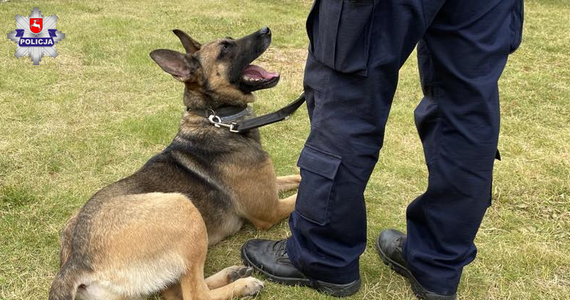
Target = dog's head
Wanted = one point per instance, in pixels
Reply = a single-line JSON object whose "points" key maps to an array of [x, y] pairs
{"points": [[218, 73]]}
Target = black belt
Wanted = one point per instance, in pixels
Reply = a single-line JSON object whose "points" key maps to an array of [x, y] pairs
{"points": [[249, 124]]}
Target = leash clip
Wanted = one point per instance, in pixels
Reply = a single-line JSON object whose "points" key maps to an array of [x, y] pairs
{"points": [[217, 121]]}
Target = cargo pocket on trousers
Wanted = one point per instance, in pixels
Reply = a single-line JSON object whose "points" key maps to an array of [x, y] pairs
{"points": [[318, 171], [517, 25], [340, 33]]}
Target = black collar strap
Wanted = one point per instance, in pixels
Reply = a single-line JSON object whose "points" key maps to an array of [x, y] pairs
{"points": [[226, 113], [219, 120]]}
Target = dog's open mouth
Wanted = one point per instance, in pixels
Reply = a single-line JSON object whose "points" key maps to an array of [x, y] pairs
{"points": [[259, 78]]}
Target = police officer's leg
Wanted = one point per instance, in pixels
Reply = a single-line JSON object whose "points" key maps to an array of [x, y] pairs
{"points": [[461, 59], [357, 48], [351, 106]]}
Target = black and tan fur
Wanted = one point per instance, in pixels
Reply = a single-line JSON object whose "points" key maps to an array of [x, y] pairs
{"points": [[150, 232]]}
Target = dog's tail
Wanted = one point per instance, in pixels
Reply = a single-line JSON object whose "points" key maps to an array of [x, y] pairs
{"points": [[66, 282]]}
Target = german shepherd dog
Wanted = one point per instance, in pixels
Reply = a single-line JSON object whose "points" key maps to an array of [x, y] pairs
{"points": [[150, 232]]}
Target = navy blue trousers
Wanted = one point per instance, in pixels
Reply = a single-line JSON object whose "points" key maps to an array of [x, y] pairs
{"points": [[355, 53]]}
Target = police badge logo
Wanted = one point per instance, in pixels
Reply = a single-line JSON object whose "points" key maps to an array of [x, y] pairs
{"points": [[36, 36], [37, 26]]}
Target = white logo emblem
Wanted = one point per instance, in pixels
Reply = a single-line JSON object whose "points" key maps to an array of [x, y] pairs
{"points": [[36, 36]]}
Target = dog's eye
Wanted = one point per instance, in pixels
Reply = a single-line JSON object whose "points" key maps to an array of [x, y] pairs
{"points": [[226, 45], [224, 49]]}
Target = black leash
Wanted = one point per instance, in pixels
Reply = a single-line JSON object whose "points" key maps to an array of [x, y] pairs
{"points": [[247, 125]]}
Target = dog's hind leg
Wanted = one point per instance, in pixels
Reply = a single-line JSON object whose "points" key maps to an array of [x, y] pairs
{"points": [[172, 292], [192, 283], [193, 286], [227, 276], [289, 182]]}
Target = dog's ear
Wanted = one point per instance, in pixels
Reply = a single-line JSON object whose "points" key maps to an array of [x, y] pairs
{"points": [[175, 63], [189, 43]]}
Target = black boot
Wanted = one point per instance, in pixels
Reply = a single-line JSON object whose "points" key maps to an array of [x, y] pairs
{"points": [[270, 258], [389, 245]]}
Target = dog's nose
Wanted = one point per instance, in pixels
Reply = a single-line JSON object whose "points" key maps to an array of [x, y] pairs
{"points": [[265, 30]]}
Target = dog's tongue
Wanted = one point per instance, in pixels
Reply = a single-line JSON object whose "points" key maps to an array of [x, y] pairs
{"points": [[257, 72]]}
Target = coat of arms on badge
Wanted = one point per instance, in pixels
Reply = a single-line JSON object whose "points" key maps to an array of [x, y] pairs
{"points": [[36, 27], [36, 36]]}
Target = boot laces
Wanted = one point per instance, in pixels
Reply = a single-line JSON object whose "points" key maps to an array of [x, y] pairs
{"points": [[280, 248], [399, 243]]}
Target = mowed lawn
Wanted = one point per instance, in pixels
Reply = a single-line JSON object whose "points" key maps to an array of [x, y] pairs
{"points": [[99, 110]]}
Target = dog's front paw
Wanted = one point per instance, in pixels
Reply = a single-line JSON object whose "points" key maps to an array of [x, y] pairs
{"points": [[249, 286], [236, 272]]}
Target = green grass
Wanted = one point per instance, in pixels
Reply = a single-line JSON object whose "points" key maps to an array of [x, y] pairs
{"points": [[98, 111]]}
